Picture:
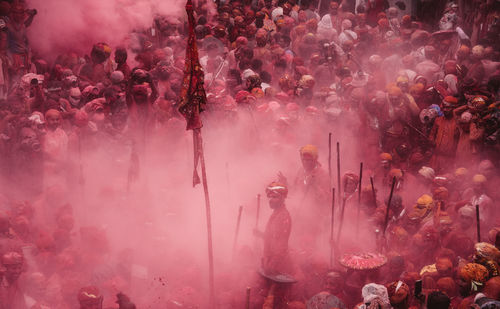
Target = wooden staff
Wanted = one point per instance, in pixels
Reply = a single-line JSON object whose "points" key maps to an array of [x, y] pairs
{"points": [[247, 306], [478, 224], [330, 158], [373, 192], [341, 223], [359, 198], [331, 227], [388, 206], [237, 230], [258, 212], [199, 141], [338, 173]]}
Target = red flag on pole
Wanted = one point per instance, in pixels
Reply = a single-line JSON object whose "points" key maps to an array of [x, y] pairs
{"points": [[192, 102], [192, 97]]}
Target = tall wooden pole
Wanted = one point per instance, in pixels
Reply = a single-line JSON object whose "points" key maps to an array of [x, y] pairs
{"points": [[359, 198], [478, 224], [341, 222], [238, 220], [331, 227], [330, 158], [386, 221], [373, 192], [258, 212], [211, 287], [338, 175]]}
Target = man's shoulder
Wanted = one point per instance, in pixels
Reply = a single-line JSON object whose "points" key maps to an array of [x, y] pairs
{"points": [[283, 214]]}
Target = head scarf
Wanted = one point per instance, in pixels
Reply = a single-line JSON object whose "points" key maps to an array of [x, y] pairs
{"points": [[373, 292], [437, 108], [487, 251], [277, 187], [427, 172], [479, 179], [461, 171], [385, 156], [398, 292], [475, 274], [89, 294], [309, 150]]}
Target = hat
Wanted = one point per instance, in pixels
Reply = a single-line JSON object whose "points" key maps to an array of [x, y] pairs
{"points": [[427, 172], [395, 172], [437, 109], [461, 171], [479, 179], [450, 101], [467, 211], [117, 77], [487, 251], [37, 118], [427, 115], [466, 117], [277, 187], [478, 103], [89, 294], [425, 200], [485, 165], [440, 193], [306, 81], [257, 92], [402, 79], [394, 91], [475, 274], [385, 156], [478, 51], [375, 60], [398, 292], [383, 23], [241, 96], [375, 292], [309, 150]]}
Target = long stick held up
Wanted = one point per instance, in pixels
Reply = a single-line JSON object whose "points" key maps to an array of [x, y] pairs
{"points": [[478, 224], [211, 285], [389, 205], [330, 158], [373, 192], [258, 212], [235, 241], [331, 227], [338, 174], [341, 222], [359, 197]]}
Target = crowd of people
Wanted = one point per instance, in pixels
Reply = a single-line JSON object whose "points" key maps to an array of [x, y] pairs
{"points": [[414, 89]]}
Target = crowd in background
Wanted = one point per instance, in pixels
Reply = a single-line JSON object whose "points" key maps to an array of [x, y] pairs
{"points": [[418, 91]]}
